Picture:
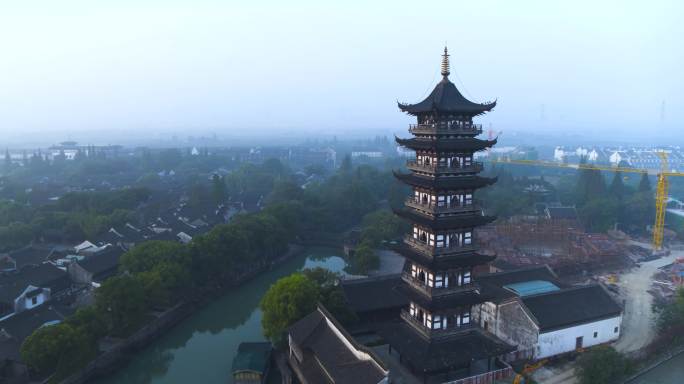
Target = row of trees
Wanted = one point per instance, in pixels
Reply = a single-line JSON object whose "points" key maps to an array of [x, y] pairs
{"points": [[600, 205], [73, 217]]}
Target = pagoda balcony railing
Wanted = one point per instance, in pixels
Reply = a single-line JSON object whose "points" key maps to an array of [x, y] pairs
{"points": [[434, 291], [445, 128], [437, 251], [413, 165], [434, 333], [435, 208]]}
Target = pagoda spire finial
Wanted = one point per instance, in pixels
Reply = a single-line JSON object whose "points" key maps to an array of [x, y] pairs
{"points": [[445, 62]]}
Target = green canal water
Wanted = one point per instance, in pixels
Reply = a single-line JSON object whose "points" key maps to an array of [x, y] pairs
{"points": [[201, 348]]}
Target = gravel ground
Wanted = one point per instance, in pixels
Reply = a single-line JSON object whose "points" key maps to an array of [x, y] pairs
{"points": [[638, 319]]}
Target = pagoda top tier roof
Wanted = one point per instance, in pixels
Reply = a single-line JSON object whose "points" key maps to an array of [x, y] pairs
{"points": [[446, 98]]}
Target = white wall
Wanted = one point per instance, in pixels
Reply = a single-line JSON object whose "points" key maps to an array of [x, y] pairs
{"points": [[563, 340]]}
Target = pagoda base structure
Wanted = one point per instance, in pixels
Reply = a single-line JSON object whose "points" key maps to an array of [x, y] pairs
{"points": [[470, 353]]}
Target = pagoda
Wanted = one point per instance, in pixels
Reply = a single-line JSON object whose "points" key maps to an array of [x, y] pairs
{"points": [[436, 337]]}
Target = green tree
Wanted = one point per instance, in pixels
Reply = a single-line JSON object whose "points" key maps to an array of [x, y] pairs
{"points": [[288, 300], [62, 348], [602, 365], [672, 315], [617, 187], [218, 188], [382, 225], [122, 301], [364, 259]]}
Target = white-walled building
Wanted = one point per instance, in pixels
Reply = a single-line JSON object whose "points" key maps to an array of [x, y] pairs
{"points": [[544, 317]]}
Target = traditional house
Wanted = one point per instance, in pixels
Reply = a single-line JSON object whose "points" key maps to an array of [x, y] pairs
{"points": [[30, 287], [94, 269], [544, 317], [322, 352]]}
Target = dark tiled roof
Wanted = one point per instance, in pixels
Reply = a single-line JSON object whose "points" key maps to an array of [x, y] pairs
{"points": [[102, 264], [443, 261], [44, 276], [468, 143], [458, 300], [445, 222], [325, 351], [373, 293], [30, 256], [572, 306], [445, 97], [452, 353], [444, 183]]}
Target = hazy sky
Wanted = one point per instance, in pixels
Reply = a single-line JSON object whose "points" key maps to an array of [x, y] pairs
{"points": [[192, 67]]}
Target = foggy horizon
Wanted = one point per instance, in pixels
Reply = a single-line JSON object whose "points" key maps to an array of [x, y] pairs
{"points": [[137, 70]]}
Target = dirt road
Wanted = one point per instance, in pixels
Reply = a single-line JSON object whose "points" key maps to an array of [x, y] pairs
{"points": [[638, 319]]}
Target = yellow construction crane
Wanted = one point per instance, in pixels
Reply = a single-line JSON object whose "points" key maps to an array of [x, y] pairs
{"points": [[661, 187]]}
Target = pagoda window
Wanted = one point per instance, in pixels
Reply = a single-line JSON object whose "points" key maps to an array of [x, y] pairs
{"points": [[412, 309], [467, 238], [427, 320], [466, 278], [431, 239], [442, 161], [440, 241], [414, 271], [465, 318], [437, 322], [441, 201], [441, 280], [468, 199], [430, 280], [467, 161], [415, 233]]}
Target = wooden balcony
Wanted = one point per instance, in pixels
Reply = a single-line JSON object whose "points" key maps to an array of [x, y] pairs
{"points": [[434, 333], [435, 292], [442, 209], [445, 129], [432, 250], [413, 165]]}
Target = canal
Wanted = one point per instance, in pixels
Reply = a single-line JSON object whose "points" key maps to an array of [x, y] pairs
{"points": [[670, 372], [201, 348]]}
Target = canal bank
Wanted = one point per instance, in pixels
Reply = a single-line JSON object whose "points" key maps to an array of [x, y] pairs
{"points": [[201, 347]]}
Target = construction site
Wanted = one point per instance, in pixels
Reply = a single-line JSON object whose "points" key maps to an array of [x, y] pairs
{"points": [[561, 243]]}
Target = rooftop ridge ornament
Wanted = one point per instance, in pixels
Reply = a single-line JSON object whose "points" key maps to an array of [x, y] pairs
{"points": [[445, 63]]}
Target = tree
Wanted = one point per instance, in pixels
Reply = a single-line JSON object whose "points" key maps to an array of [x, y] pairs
{"points": [[644, 183], [602, 365], [288, 300], [218, 188], [617, 187], [672, 316], [364, 259], [62, 348], [346, 165], [122, 301]]}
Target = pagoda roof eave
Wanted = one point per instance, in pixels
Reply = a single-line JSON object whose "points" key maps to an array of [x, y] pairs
{"points": [[445, 222], [446, 98], [445, 183], [467, 143], [441, 262]]}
